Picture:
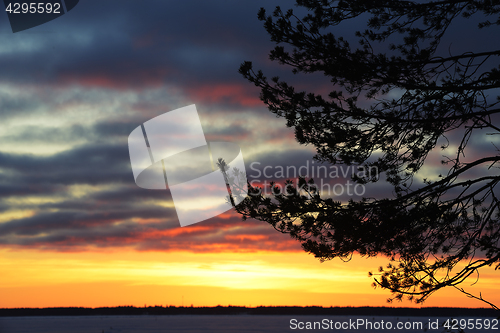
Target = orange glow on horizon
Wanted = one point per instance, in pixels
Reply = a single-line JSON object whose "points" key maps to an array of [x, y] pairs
{"points": [[92, 279]]}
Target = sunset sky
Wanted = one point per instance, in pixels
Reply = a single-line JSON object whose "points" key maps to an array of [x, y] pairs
{"points": [[75, 229]]}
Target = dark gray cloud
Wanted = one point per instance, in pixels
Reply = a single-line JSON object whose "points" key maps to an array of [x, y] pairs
{"points": [[123, 44], [92, 164], [80, 230], [108, 56], [123, 216]]}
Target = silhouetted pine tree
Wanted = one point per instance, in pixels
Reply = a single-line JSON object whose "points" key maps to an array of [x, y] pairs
{"points": [[439, 233]]}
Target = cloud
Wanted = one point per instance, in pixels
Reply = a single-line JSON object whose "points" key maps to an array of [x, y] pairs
{"points": [[85, 198], [86, 164], [228, 94], [72, 90], [136, 48], [146, 229]]}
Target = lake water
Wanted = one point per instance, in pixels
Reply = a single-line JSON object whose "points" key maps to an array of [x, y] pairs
{"points": [[223, 324]]}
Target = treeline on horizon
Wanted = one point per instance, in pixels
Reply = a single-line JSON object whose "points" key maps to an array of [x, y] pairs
{"points": [[243, 310]]}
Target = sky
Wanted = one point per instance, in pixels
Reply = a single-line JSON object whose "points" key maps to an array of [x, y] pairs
{"points": [[75, 229]]}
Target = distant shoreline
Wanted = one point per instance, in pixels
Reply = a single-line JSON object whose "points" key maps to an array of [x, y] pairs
{"points": [[242, 310]]}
